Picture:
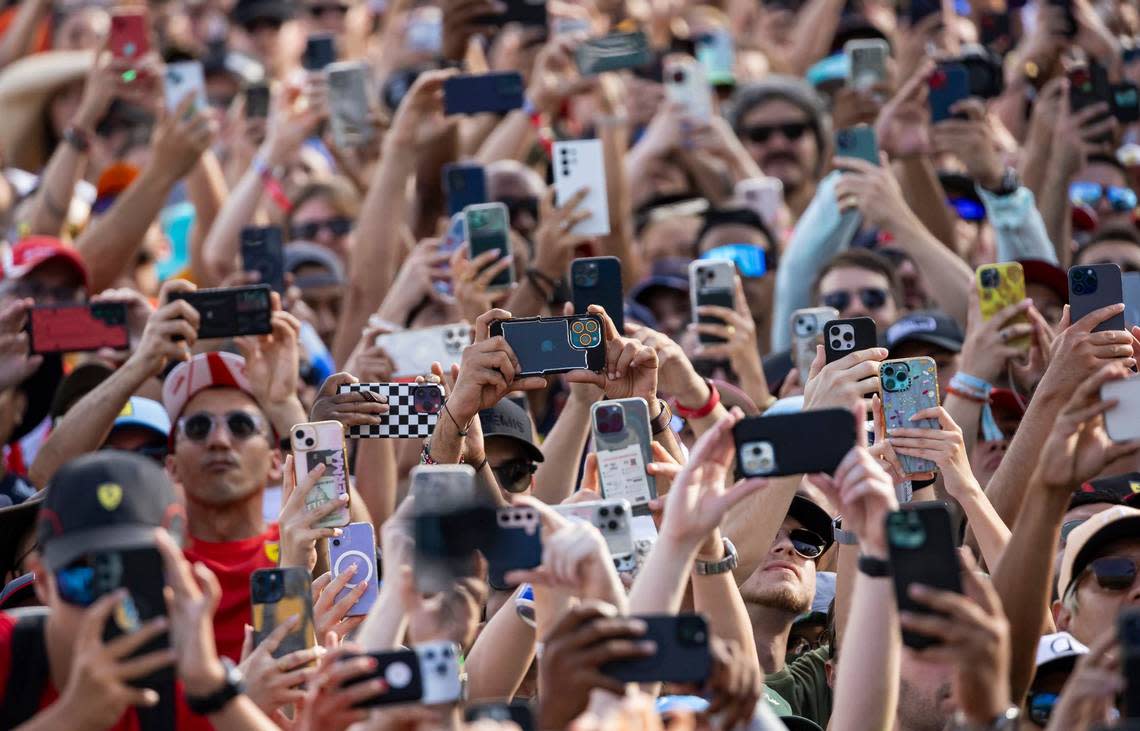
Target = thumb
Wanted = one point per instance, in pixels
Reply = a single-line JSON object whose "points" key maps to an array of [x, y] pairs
{"points": [[247, 642], [333, 383]]}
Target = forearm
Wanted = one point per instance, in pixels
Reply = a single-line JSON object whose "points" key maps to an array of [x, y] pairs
{"points": [[48, 210], [636, 164], [925, 196], [241, 714], [501, 656], [846, 568], [206, 190], [967, 415], [614, 134], [18, 38], [387, 620], [990, 532], [1019, 229], [710, 176], [556, 476], [1007, 488], [284, 414], [815, 26], [1034, 160], [948, 277], [446, 441], [660, 585], [718, 598], [510, 140], [1057, 213], [429, 203], [752, 525], [376, 477], [218, 256], [867, 687]]}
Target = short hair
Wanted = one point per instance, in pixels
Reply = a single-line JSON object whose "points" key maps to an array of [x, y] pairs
{"points": [[1113, 232], [868, 261], [341, 195], [1110, 160]]}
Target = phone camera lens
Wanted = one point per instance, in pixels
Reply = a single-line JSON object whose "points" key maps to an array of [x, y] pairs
{"points": [[300, 434], [309, 442], [679, 76], [613, 524], [618, 510], [336, 541], [604, 512]]}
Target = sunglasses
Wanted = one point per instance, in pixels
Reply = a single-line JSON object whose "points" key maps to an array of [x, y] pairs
{"points": [[515, 206], [761, 133], [872, 298], [1090, 194], [318, 11], [514, 476], [806, 543], [241, 424], [1041, 706], [337, 226], [76, 584], [967, 209], [1113, 573], [750, 259], [258, 24]]}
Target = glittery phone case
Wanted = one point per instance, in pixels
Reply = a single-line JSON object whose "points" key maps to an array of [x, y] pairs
{"points": [[1001, 285], [909, 385]]}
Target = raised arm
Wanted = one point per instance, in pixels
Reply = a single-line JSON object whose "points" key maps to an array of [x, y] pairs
{"points": [[19, 36]]}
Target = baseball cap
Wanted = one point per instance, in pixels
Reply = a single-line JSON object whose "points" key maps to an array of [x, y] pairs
{"points": [[666, 274], [928, 326], [813, 517], [145, 413], [508, 420], [216, 369], [302, 253], [1116, 489], [32, 251], [1047, 274], [1058, 651], [246, 12], [103, 501], [1094, 534]]}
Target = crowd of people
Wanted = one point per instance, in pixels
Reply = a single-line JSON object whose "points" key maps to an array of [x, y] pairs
{"points": [[144, 487]]}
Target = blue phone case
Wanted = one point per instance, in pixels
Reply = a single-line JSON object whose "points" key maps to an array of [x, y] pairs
{"points": [[517, 544], [949, 84], [464, 184], [477, 93], [859, 142]]}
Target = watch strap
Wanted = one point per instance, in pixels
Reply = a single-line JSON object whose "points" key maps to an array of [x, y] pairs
{"points": [[709, 568], [876, 568], [232, 687], [77, 138], [663, 419]]}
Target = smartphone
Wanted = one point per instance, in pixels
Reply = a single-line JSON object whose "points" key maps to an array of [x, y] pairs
{"points": [[613, 519], [596, 280], [263, 251], [428, 674], [547, 346], [517, 545], [350, 105], [764, 195], [228, 312], [488, 227], [1128, 632], [790, 444], [948, 85], [858, 142], [497, 92], [867, 62], [1088, 85], [320, 51], [1125, 102], [140, 572], [322, 443], [1092, 286], [413, 410], [356, 547], [711, 283], [450, 523], [622, 441], [527, 13], [1122, 422], [686, 84], [612, 52], [1130, 283], [413, 351], [716, 53], [807, 332], [843, 337], [276, 595], [921, 548], [517, 712], [464, 184], [1001, 285], [257, 101], [908, 386], [75, 328], [182, 79], [129, 37], [918, 10], [682, 654], [579, 164]]}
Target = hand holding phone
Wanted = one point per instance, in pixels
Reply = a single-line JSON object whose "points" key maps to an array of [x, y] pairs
{"points": [[921, 548]]}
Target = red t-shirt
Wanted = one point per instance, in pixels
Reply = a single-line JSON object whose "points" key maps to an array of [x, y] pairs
{"points": [[232, 562], [185, 720]]}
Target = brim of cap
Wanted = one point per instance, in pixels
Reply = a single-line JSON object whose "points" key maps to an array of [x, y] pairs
{"points": [[812, 517], [1046, 274], [16, 521], [246, 14], [931, 339], [140, 423], [71, 258], [799, 723], [1128, 527], [60, 551], [1064, 663], [532, 452], [638, 293]]}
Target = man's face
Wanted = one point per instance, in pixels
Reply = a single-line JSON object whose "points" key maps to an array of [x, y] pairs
{"points": [[326, 16], [670, 307], [1097, 607], [1047, 301], [55, 282], [511, 465], [137, 439], [778, 135], [785, 580], [1106, 176], [862, 292], [986, 456], [1124, 254], [222, 469], [925, 697], [946, 360]]}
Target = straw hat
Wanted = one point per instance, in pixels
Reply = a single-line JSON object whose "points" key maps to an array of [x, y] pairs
{"points": [[26, 88]]}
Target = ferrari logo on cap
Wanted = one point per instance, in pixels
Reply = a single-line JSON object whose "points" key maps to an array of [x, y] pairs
{"points": [[273, 551], [110, 494], [1135, 486]]}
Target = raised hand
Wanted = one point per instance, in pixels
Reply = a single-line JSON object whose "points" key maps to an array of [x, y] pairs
{"points": [[355, 408], [180, 139], [272, 362], [874, 190], [471, 280], [903, 124], [631, 366], [843, 382], [554, 239], [272, 682], [986, 350], [170, 332], [298, 523], [1079, 351], [330, 615], [944, 446], [16, 361]]}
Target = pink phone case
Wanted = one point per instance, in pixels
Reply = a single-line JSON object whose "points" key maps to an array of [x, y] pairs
{"points": [[316, 443], [356, 547]]}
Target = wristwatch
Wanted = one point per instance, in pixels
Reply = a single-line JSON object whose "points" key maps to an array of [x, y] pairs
{"points": [[726, 564], [843, 537], [232, 687], [1008, 720], [77, 138], [662, 421], [1008, 184], [876, 568]]}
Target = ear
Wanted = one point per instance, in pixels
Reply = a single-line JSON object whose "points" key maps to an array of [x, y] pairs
{"points": [[1061, 616], [275, 473], [829, 672]]}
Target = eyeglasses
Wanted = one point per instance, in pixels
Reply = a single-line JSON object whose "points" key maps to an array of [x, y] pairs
{"points": [[259, 24], [1113, 573], [872, 298], [1041, 706], [318, 11], [806, 543], [515, 206], [1119, 197], [761, 133], [241, 424], [76, 584], [514, 475], [337, 226]]}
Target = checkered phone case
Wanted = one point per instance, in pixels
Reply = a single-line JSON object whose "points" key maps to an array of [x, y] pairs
{"points": [[402, 421]]}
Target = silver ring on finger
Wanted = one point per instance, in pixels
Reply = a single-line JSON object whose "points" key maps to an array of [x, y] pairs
{"points": [[1004, 335]]}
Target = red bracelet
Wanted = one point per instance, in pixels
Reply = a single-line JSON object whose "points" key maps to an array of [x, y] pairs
{"points": [[963, 395], [701, 411]]}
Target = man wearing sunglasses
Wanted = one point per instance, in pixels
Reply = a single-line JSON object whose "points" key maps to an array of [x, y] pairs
{"points": [[262, 20], [1057, 653], [1115, 244], [1098, 574], [1104, 186], [508, 440], [860, 283]]}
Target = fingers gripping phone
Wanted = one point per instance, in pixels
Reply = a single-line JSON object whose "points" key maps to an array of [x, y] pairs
{"points": [[596, 280], [350, 105], [263, 251], [909, 385], [921, 548], [276, 595], [75, 328], [140, 572], [428, 674], [843, 337], [413, 351], [1001, 285], [1092, 286], [807, 333], [612, 517], [322, 443], [228, 312], [549, 345], [789, 444], [622, 441], [682, 654], [356, 547], [488, 228], [711, 282], [413, 410], [450, 523]]}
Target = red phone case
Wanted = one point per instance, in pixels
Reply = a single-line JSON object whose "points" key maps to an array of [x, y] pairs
{"points": [[129, 34], [73, 328]]}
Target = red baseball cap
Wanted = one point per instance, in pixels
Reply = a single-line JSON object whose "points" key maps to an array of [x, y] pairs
{"points": [[32, 251]]}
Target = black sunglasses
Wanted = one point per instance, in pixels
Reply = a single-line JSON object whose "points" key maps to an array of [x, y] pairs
{"points": [[256, 24], [872, 298], [317, 11], [514, 476], [337, 226], [761, 133], [1113, 573], [241, 424], [1040, 705], [806, 543]]}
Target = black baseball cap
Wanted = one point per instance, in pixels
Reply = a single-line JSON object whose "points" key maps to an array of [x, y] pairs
{"points": [[1112, 490], [246, 12], [929, 326], [813, 517], [106, 500], [508, 420]]}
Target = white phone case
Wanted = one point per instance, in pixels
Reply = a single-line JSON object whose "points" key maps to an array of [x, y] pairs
{"points": [[439, 668], [867, 62], [580, 164], [413, 351], [182, 78], [350, 104], [1122, 422], [1130, 281], [612, 518], [763, 195], [687, 84]]}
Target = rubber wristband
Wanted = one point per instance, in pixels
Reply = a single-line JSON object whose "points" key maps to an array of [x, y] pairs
{"points": [[701, 411], [964, 395]]}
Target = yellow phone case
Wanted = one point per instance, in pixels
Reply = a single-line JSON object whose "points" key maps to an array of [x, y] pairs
{"points": [[1001, 285]]}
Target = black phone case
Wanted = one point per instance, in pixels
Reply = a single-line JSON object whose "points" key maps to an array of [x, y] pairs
{"points": [[527, 13], [1088, 292], [263, 251], [1128, 632], [496, 92], [513, 547], [844, 337], [320, 51], [921, 547], [1125, 102], [230, 311], [542, 344], [597, 281], [464, 185], [682, 652], [400, 665], [257, 101], [920, 9], [719, 297], [140, 572], [1088, 86], [796, 446]]}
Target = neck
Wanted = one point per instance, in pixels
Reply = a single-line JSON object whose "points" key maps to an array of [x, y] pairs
{"points": [[59, 642], [221, 523], [770, 629], [798, 199]]}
